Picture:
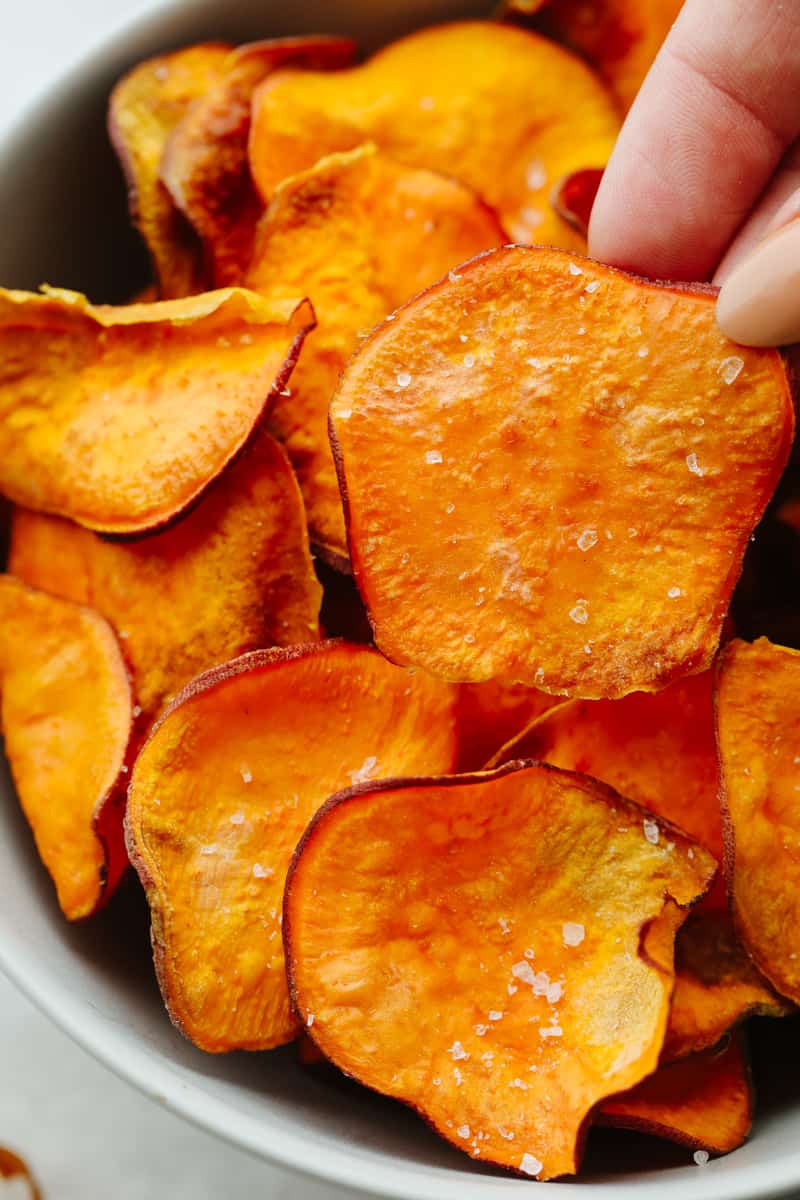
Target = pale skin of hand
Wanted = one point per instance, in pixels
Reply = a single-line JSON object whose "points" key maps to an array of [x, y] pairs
{"points": [[708, 161]]}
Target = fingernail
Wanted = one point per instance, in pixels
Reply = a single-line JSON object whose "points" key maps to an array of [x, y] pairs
{"points": [[759, 302]]}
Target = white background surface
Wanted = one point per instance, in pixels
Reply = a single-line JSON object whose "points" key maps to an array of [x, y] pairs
{"points": [[87, 1135]]}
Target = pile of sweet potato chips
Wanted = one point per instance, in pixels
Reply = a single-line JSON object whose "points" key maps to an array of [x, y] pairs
{"points": [[523, 849]]}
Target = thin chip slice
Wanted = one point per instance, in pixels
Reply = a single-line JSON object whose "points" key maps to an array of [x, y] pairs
{"points": [[119, 418], [14, 1167], [491, 714], [758, 733], [568, 505], [145, 106], [205, 166], [717, 986], [705, 1101], [358, 234], [503, 110], [233, 575], [67, 716], [658, 750], [620, 38], [470, 946], [222, 792]]}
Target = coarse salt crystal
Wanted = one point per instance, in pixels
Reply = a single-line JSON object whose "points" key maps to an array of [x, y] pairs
{"points": [[237, 818], [551, 1031], [364, 771], [536, 176], [469, 360], [651, 831], [457, 1052], [587, 539], [463, 1131], [573, 933], [701, 1157], [574, 269], [504, 924], [505, 1133], [261, 872], [530, 1164], [524, 972], [674, 592], [344, 414], [512, 989], [731, 368], [481, 1030], [459, 1078], [433, 456], [137, 710], [691, 463], [495, 1015], [403, 379], [579, 613], [310, 1020], [592, 287], [517, 1083], [528, 952], [453, 276], [246, 774]]}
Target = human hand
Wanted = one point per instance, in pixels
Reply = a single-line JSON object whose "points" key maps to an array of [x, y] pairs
{"points": [[705, 179]]}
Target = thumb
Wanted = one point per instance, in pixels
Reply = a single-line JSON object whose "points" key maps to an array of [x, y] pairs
{"points": [[759, 303]]}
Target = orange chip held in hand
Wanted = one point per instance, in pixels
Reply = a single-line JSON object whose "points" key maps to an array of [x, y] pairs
{"points": [[471, 946], [358, 234], [234, 574], [758, 732], [551, 470], [717, 986], [119, 418], [220, 796], [67, 716], [145, 106], [503, 110], [705, 1101], [205, 166]]}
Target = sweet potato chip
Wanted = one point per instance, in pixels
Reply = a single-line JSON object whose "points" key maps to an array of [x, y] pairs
{"points": [[67, 714], [471, 946], [233, 575], [758, 733], [551, 470], [14, 1167], [205, 166], [658, 750], [222, 792], [620, 38], [145, 105], [358, 234], [499, 108], [490, 714], [119, 418], [716, 986], [704, 1101]]}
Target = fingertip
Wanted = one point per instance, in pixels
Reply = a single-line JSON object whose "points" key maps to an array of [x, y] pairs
{"points": [[759, 302]]}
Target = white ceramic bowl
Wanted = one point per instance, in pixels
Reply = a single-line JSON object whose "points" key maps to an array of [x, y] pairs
{"points": [[63, 219]]}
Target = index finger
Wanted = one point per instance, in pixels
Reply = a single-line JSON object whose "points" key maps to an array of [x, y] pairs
{"points": [[713, 118]]}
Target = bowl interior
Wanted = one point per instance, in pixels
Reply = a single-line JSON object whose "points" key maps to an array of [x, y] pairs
{"points": [[62, 206]]}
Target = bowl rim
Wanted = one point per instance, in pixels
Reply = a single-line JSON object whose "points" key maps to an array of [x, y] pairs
{"points": [[126, 1054]]}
